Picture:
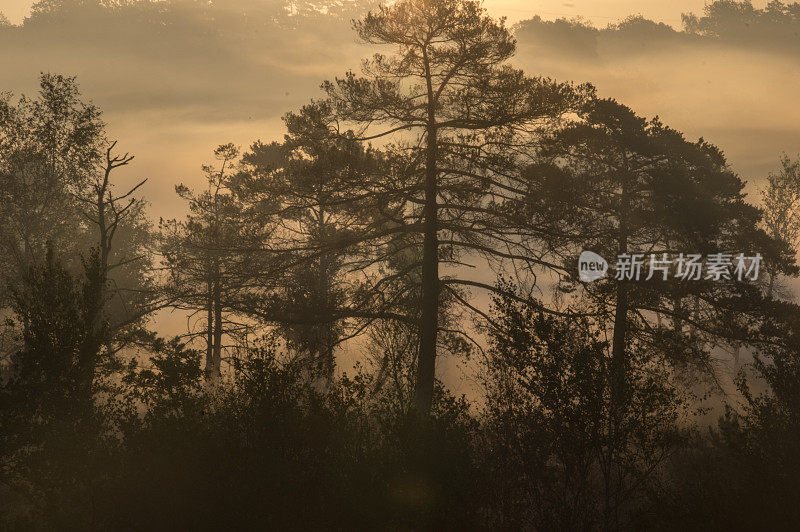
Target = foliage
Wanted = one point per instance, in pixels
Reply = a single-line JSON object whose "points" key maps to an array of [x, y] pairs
{"points": [[616, 183], [734, 19], [305, 253], [570, 459]]}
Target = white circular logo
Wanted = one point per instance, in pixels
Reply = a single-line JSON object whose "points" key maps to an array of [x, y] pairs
{"points": [[591, 267]]}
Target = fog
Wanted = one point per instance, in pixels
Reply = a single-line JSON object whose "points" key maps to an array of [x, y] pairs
{"points": [[300, 331], [172, 89], [176, 80]]}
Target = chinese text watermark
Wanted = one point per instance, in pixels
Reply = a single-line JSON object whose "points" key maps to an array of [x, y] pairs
{"points": [[664, 266]]}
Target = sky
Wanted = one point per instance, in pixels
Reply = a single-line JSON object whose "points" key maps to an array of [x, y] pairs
{"points": [[601, 12], [171, 100]]}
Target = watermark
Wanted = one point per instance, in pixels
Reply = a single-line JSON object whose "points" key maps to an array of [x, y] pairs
{"points": [[664, 266], [591, 266]]}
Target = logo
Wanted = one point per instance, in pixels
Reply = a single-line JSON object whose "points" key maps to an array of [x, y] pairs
{"points": [[591, 267], [663, 266]]}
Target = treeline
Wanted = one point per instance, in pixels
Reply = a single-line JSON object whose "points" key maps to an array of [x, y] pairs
{"points": [[179, 55], [775, 28], [173, 26], [394, 207]]}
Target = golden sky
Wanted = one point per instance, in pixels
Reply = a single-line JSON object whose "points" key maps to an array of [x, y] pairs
{"points": [[172, 108], [601, 12]]}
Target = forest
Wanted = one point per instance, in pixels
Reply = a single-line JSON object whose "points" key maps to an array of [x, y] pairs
{"points": [[383, 318]]}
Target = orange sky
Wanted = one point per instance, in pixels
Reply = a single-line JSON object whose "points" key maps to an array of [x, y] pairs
{"points": [[601, 12]]}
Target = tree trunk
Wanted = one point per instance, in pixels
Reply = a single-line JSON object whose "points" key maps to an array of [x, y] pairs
{"points": [[618, 380], [216, 372], [91, 346], [209, 331], [618, 344], [677, 309], [429, 327], [771, 285], [325, 363], [618, 361]]}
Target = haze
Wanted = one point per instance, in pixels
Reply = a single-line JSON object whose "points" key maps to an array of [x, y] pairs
{"points": [[172, 95], [600, 12], [171, 100]]}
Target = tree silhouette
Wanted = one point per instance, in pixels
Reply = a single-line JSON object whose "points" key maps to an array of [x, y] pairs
{"points": [[123, 240], [372, 232], [781, 203], [310, 178], [740, 20], [208, 257], [49, 149], [56, 171], [618, 184], [51, 379], [551, 405], [449, 89]]}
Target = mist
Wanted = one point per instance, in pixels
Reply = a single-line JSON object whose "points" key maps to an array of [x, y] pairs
{"points": [[176, 80], [172, 90], [529, 371]]}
